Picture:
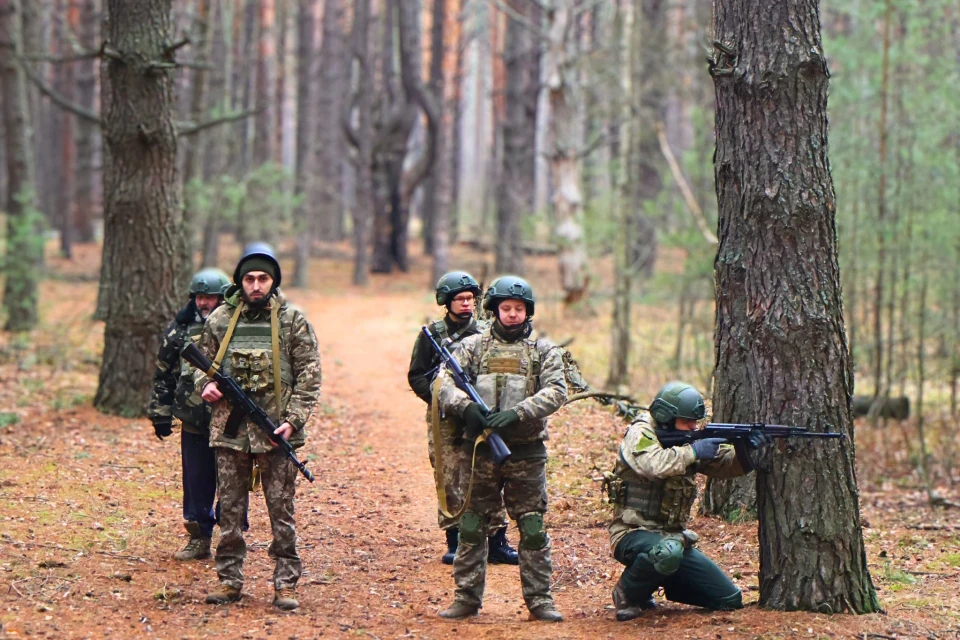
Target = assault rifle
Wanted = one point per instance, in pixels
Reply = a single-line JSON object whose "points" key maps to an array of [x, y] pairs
{"points": [[734, 432], [498, 448], [243, 406]]}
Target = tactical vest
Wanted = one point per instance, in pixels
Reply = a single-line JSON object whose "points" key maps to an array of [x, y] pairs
{"points": [[508, 374], [666, 502], [249, 357], [188, 406]]}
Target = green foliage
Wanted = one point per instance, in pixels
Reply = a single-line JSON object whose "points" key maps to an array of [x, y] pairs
{"points": [[22, 262]]}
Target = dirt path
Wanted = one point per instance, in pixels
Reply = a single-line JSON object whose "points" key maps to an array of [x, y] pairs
{"points": [[90, 512]]}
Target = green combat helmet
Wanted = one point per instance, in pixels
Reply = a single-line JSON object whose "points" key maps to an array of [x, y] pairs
{"points": [[209, 282], [677, 400], [453, 283], [509, 288]]}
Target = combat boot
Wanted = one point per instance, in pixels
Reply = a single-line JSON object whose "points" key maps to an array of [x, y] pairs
{"points": [[546, 613], [284, 599], [198, 547], [223, 594], [453, 536], [500, 551], [459, 610], [627, 610]]}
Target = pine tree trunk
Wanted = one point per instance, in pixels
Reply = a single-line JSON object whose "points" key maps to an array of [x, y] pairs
{"points": [[305, 169], [71, 13], [142, 201], [329, 149], [24, 246], [361, 60], [436, 190], [85, 132], [197, 144], [778, 248]]}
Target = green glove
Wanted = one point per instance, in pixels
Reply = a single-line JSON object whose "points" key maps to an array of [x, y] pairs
{"points": [[474, 421], [503, 419]]}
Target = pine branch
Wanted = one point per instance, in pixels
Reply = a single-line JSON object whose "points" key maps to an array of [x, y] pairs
{"points": [[188, 127], [59, 99]]}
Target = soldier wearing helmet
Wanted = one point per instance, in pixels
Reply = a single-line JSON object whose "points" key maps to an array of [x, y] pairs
{"points": [[653, 490], [522, 381], [458, 292], [174, 396]]}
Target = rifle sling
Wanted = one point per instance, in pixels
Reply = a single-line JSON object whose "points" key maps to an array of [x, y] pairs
{"points": [[438, 469]]}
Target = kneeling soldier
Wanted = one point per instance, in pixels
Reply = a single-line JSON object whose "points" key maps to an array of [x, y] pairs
{"points": [[653, 489]]}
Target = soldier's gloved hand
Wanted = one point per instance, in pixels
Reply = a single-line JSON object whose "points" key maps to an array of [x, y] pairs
{"points": [[503, 419], [758, 439], [708, 448], [162, 426], [474, 422]]}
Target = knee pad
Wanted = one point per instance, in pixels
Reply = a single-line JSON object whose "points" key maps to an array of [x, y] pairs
{"points": [[532, 534], [730, 602], [666, 556], [471, 528]]}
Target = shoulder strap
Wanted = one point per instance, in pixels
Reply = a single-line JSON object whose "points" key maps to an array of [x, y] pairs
{"points": [[275, 343], [225, 342]]}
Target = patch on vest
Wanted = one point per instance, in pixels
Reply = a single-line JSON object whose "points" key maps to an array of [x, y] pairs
{"points": [[506, 365]]}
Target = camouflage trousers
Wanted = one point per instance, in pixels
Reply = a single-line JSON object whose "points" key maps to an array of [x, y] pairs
{"points": [[522, 486], [454, 485], [278, 476]]}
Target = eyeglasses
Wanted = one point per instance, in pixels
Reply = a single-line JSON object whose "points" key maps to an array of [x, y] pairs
{"points": [[464, 298]]}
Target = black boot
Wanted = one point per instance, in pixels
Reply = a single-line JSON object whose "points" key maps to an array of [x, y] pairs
{"points": [[500, 551], [453, 535]]}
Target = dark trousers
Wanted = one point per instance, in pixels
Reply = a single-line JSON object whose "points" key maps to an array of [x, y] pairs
{"points": [[199, 481], [698, 581]]}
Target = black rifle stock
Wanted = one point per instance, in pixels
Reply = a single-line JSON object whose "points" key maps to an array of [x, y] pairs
{"points": [[498, 448], [241, 402], [735, 431]]}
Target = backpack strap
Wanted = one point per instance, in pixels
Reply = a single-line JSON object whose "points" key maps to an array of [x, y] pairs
{"points": [[225, 342]]}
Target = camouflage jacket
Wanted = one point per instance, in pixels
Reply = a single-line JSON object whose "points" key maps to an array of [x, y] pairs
{"points": [[540, 391], [173, 390], [249, 360], [662, 480], [425, 361]]}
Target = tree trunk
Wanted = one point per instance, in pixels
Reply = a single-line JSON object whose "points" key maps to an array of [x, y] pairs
{"points": [[85, 132], [24, 245], [142, 201], [515, 186], [324, 188], [263, 141], [303, 223], [67, 150], [778, 239], [565, 164], [361, 137], [436, 192], [196, 146]]}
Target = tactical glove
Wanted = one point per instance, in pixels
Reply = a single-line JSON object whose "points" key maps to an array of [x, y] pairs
{"points": [[708, 448], [474, 422], [758, 439], [503, 419], [162, 426]]}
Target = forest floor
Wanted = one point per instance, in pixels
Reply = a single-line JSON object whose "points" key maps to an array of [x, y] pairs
{"points": [[90, 504]]}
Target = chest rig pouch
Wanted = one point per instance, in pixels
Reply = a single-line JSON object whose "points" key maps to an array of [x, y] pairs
{"points": [[508, 373], [186, 372], [667, 502]]}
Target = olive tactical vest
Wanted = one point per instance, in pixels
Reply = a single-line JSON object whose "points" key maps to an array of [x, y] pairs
{"points": [[666, 502], [508, 374], [249, 357], [188, 406]]}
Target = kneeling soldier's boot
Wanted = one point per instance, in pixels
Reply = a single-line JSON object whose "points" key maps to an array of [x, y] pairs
{"points": [[198, 547], [453, 535], [223, 594], [546, 613], [627, 610], [284, 599], [459, 610], [500, 551]]}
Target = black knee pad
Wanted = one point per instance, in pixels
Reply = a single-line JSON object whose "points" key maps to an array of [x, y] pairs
{"points": [[532, 534], [471, 528]]}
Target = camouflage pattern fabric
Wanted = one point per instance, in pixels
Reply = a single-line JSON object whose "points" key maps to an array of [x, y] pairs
{"points": [[279, 485], [523, 484], [300, 387], [649, 466], [173, 392], [550, 389]]}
